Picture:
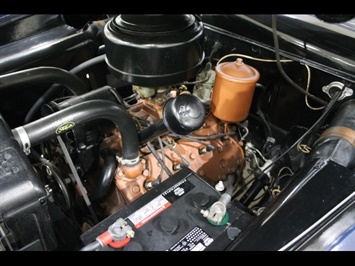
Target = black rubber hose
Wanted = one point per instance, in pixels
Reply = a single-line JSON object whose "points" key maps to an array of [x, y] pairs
{"points": [[54, 124], [260, 182], [103, 93], [89, 63], [53, 89], [107, 175], [40, 101], [153, 131], [43, 75]]}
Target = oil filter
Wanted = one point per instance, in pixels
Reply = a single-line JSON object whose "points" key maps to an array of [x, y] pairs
{"points": [[233, 91]]}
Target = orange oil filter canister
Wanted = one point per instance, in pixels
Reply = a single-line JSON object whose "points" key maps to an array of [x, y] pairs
{"points": [[233, 91]]}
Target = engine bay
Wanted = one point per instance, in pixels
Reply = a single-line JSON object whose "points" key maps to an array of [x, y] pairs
{"points": [[171, 132]]}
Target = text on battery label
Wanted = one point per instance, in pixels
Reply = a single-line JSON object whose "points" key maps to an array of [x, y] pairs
{"points": [[178, 191], [195, 240], [149, 211], [173, 188]]}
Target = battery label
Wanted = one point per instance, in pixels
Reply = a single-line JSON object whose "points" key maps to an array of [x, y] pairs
{"points": [[149, 211], [160, 203], [195, 240], [178, 190]]}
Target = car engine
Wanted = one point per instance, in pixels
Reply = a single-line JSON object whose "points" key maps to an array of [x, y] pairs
{"points": [[175, 133]]}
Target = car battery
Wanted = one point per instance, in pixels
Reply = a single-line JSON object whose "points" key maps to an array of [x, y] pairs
{"points": [[169, 218]]}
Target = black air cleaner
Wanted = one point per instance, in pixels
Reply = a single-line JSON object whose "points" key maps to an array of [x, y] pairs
{"points": [[154, 50]]}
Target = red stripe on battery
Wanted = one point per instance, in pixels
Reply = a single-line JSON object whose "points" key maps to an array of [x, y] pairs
{"points": [[152, 215]]}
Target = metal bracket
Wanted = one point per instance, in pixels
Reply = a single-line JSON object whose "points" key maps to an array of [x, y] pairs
{"points": [[337, 85]]}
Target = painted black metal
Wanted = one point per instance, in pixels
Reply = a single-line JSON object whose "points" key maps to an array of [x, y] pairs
{"points": [[21, 50], [318, 46], [312, 194], [23, 202], [154, 50]]}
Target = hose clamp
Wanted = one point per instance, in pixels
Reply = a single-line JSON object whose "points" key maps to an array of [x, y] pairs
{"points": [[25, 141], [129, 161]]}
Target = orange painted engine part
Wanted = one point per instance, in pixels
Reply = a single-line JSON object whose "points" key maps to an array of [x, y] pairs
{"points": [[233, 91], [213, 166]]}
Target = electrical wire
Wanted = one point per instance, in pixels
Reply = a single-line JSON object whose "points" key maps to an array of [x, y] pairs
{"points": [[242, 138], [253, 58], [158, 180], [156, 155], [285, 168], [177, 153], [306, 91], [325, 112], [209, 146], [303, 148], [197, 81], [275, 181], [208, 137], [276, 44], [278, 62], [132, 96]]}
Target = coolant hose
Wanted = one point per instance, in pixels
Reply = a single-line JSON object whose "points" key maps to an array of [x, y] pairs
{"points": [[64, 120], [43, 75], [337, 142], [153, 131], [108, 172], [103, 93], [53, 89]]}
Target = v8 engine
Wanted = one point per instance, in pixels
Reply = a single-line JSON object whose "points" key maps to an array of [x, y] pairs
{"points": [[174, 132]]}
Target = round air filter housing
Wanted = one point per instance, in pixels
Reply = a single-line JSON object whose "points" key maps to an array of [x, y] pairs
{"points": [[154, 50]]}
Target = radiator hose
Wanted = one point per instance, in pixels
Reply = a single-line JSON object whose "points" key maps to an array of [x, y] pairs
{"points": [[64, 120], [43, 75]]}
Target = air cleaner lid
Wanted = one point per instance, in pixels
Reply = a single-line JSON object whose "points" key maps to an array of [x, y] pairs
{"points": [[153, 24], [154, 50]]}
